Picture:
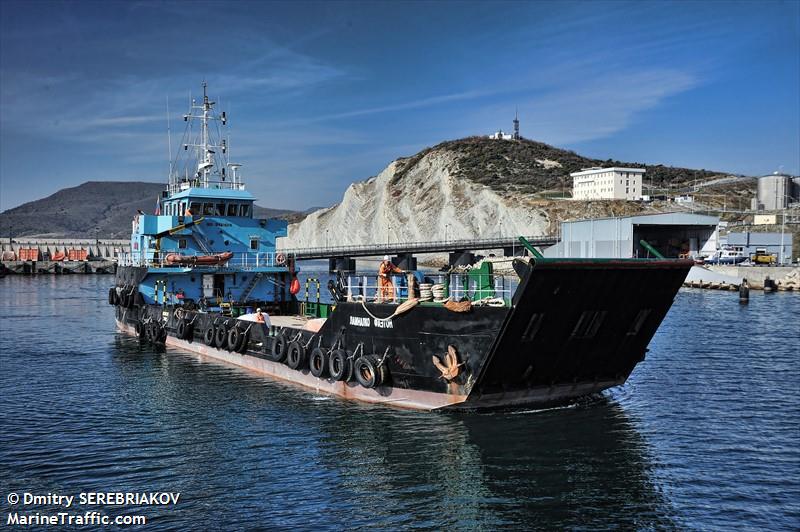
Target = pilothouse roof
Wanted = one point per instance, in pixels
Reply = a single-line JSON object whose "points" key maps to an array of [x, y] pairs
{"points": [[215, 193]]}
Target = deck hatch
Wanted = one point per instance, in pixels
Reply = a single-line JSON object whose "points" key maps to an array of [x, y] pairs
{"points": [[533, 327], [641, 317], [588, 324]]}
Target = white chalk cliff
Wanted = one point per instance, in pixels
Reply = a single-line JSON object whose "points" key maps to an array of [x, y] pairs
{"points": [[422, 202]]}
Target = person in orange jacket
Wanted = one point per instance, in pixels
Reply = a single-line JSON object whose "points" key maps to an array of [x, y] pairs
{"points": [[385, 285]]}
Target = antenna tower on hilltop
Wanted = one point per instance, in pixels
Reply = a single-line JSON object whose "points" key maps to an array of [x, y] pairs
{"points": [[516, 124]]}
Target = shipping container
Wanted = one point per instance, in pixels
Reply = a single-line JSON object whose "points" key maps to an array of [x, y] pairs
{"points": [[77, 254], [28, 254]]}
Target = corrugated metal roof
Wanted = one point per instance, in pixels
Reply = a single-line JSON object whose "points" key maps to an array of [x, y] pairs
{"points": [[669, 218]]}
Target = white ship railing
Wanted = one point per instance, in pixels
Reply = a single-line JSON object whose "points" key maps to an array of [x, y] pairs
{"points": [[242, 261], [367, 287], [180, 186]]}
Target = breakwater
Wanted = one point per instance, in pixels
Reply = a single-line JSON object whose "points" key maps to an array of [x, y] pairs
{"points": [[724, 277]]}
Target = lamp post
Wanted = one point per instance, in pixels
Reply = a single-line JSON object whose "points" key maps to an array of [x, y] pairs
{"points": [[783, 226]]}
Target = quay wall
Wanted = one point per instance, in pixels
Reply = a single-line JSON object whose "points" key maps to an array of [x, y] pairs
{"points": [[107, 249], [755, 274]]}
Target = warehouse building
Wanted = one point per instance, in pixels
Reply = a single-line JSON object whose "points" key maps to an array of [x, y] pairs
{"points": [[777, 244], [672, 234]]}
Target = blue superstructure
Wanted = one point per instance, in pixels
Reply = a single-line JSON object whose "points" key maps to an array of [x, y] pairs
{"points": [[204, 246]]}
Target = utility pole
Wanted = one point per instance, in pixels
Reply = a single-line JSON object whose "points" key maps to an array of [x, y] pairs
{"points": [[783, 227]]}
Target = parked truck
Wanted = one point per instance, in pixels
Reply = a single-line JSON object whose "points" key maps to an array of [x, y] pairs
{"points": [[762, 257]]}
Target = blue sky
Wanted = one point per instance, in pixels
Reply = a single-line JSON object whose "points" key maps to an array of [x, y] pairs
{"points": [[323, 94]]}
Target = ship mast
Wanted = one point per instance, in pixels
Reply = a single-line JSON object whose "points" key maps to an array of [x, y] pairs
{"points": [[205, 148]]}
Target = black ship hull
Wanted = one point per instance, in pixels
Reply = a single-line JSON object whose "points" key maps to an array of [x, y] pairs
{"points": [[575, 327]]}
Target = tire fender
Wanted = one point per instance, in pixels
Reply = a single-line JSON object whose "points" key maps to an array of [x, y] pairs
{"points": [[369, 371], [340, 366], [295, 355], [221, 337], [318, 362], [208, 336]]}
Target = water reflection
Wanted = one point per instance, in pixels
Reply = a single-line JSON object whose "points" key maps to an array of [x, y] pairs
{"points": [[582, 466]]}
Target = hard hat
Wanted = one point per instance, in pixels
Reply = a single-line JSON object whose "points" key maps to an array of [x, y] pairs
{"points": [[386, 257], [258, 310]]}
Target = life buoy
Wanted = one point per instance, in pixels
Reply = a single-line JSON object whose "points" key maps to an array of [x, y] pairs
{"points": [[280, 259], [369, 371], [340, 366], [294, 287], [295, 355], [318, 362]]}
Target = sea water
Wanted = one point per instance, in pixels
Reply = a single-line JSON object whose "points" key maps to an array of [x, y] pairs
{"points": [[705, 434]]}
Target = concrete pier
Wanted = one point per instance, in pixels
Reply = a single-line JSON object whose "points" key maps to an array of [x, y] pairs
{"points": [[66, 267]]}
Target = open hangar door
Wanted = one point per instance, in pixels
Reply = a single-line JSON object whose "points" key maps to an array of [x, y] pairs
{"points": [[672, 241]]}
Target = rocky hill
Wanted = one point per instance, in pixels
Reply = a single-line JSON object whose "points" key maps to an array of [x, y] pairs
{"points": [[102, 208], [473, 187], [531, 167]]}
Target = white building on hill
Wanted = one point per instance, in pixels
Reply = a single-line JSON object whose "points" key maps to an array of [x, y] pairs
{"points": [[499, 135], [607, 183]]}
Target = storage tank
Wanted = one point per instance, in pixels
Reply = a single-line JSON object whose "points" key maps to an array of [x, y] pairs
{"points": [[774, 191]]}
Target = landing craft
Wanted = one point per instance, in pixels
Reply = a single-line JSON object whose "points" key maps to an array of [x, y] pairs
{"points": [[200, 268]]}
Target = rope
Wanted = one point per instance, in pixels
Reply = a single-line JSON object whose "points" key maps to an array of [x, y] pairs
{"points": [[489, 302], [402, 309], [359, 346], [385, 354], [309, 341]]}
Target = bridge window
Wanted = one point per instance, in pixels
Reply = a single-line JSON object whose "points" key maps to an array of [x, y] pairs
{"points": [[253, 243], [195, 208], [244, 210], [220, 209], [182, 243], [232, 209], [208, 209]]}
